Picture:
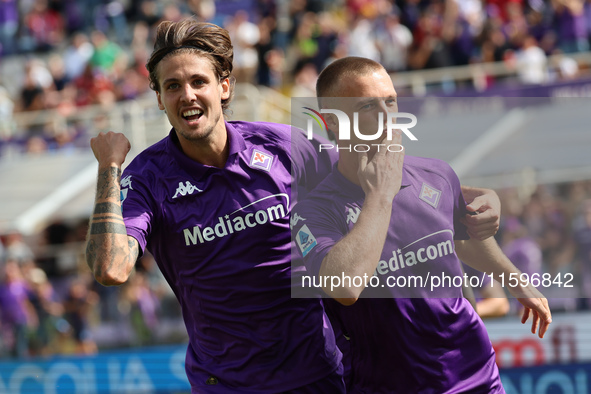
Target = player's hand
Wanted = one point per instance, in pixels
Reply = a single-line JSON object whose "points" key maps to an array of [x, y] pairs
{"points": [[484, 213], [110, 148], [383, 173], [535, 303]]}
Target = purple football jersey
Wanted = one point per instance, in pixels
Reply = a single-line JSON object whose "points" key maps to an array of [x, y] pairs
{"points": [[221, 237], [433, 342]]}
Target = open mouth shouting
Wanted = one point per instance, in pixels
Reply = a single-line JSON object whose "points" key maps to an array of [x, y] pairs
{"points": [[192, 114]]}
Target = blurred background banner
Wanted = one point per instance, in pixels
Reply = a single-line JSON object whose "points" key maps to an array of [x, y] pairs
{"points": [[500, 89], [560, 379], [143, 370]]}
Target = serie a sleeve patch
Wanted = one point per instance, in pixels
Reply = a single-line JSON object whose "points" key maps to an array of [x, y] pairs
{"points": [[305, 240]]}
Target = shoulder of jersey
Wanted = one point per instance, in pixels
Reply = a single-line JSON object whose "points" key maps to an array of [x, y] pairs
{"points": [[427, 164], [325, 190], [264, 131], [150, 154]]}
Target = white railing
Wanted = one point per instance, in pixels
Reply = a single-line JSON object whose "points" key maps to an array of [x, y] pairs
{"points": [[417, 81], [143, 123]]}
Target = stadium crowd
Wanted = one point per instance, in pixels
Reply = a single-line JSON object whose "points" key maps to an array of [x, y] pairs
{"points": [[93, 52], [78, 53]]}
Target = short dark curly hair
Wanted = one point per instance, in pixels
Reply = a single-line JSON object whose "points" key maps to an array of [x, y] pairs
{"points": [[191, 36]]}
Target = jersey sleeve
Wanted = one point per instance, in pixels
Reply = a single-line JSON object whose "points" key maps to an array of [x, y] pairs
{"points": [[137, 210], [311, 161], [316, 230]]}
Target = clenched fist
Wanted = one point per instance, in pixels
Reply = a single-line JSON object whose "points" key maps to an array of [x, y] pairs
{"points": [[110, 148]]}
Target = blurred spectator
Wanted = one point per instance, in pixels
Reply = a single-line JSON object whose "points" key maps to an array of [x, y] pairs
{"points": [[36, 145], [148, 13], [495, 45], [73, 15], [203, 10], [93, 87], [105, 52], [140, 39], [6, 110], [45, 26], [131, 85], [305, 80], [521, 249], [2, 253], [430, 48], [33, 97], [393, 40], [568, 68], [17, 314], [143, 307], [472, 12], [111, 16], [16, 249], [57, 69], [572, 25], [361, 39], [582, 237], [77, 55], [263, 47], [327, 39], [9, 19], [245, 36], [77, 307], [531, 62], [48, 310], [171, 12]]}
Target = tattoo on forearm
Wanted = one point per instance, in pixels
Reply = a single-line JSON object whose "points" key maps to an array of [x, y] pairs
{"points": [[108, 183], [133, 249], [106, 252], [91, 253], [107, 228], [107, 207]]}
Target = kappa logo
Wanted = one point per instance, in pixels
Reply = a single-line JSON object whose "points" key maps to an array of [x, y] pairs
{"points": [[125, 183], [430, 195], [185, 189], [305, 240], [294, 220], [353, 215], [261, 160]]}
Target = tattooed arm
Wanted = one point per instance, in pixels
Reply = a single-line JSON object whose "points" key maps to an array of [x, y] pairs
{"points": [[110, 252]]}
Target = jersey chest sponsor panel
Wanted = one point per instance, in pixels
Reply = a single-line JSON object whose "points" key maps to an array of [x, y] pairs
{"points": [[229, 227], [420, 240]]}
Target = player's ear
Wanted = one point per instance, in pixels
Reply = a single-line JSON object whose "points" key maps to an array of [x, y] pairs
{"points": [[225, 88], [332, 124], [331, 121], [160, 105]]}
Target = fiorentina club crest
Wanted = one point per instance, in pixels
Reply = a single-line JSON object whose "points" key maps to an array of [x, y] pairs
{"points": [[261, 160], [430, 195]]}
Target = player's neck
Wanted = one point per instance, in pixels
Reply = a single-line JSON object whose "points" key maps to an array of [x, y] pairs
{"points": [[211, 151]]}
